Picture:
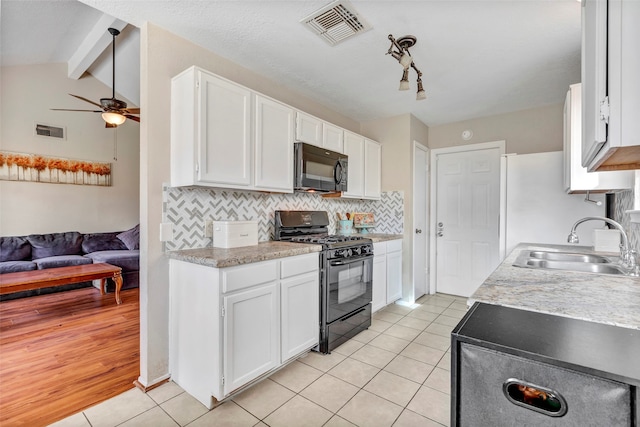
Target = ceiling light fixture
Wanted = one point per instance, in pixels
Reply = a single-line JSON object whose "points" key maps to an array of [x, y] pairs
{"points": [[402, 55], [113, 118]]}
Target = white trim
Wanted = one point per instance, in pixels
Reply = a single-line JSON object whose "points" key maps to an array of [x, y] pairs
{"points": [[501, 146], [418, 146]]}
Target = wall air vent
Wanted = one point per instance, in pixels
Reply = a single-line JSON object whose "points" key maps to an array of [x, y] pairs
{"points": [[336, 22], [49, 131]]}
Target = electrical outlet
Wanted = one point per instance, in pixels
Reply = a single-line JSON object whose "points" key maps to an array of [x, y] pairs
{"points": [[166, 231], [208, 227]]}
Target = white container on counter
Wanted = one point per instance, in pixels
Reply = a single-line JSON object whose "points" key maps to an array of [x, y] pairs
{"points": [[235, 234]]}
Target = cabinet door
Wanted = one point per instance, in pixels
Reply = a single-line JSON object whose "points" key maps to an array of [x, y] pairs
{"points": [[251, 335], [379, 297], [300, 305], [594, 77], [394, 276], [273, 145], [332, 138], [308, 129], [225, 132], [354, 149], [372, 171], [576, 177]]}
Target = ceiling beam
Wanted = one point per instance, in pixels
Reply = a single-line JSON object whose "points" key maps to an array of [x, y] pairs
{"points": [[93, 45]]}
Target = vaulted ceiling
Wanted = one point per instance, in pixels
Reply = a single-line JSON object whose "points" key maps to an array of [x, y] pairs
{"points": [[478, 57]]}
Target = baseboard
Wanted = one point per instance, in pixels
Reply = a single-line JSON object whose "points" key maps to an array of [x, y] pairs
{"points": [[157, 383]]}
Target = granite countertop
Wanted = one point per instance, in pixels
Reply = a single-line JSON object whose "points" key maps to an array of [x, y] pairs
{"points": [[263, 251], [600, 298], [379, 237], [221, 258]]}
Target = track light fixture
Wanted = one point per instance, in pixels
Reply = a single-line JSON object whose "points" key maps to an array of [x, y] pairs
{"points": [[402, 55]]}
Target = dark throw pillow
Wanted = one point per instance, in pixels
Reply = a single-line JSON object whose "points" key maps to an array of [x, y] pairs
{"points": [[131, 238]]}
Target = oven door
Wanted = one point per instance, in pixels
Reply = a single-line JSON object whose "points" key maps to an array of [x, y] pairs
{"points": [[349, 285]]}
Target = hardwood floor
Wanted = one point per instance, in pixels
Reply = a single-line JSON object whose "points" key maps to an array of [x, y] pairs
{"points": [[64, 352]]}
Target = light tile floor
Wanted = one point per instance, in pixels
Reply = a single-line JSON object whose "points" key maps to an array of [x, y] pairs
{"points": [[396, 373]]}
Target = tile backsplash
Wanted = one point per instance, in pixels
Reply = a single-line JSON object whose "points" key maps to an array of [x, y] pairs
{"points": [[188, 207], [623, 203]]}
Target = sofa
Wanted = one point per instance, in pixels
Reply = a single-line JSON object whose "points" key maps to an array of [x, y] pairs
{"points": [[42, 251]]}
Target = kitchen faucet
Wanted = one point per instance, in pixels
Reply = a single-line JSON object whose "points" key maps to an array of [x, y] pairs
{"points": [[627, 255]]}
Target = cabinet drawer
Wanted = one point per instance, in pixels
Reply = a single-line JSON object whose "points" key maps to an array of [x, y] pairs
{"points": [[394, 245], [589, 400], [379, 248], [245, 276], [293, 266]]}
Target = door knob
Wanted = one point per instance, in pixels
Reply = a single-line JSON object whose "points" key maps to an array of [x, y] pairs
{"points": [[418, 231]]}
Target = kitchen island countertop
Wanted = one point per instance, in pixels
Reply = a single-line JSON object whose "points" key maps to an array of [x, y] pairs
{"points": [[263, 251], [601, 298]]}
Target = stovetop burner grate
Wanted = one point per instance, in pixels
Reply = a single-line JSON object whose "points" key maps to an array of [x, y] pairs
{"points": [[325, 238]]}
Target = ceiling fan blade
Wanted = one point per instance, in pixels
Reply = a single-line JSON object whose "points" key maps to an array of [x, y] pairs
{"points": [[134, 118], [132, 110], [66, 109], [86, 100], [109, 125]]}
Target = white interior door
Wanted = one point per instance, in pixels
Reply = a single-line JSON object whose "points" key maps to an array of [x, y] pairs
{"points": [[467, 219], [420, 219]]}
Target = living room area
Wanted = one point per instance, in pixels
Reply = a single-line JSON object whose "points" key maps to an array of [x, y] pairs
{"points": [[65, 351]]}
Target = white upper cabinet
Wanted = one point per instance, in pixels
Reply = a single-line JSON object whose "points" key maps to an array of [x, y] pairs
{"points": [[317, 132], [363, 180], [372, 169], [576, 177], [273, 145], [610, 84], [225, 135], [354, 149], [308, 129], [332, 138]]}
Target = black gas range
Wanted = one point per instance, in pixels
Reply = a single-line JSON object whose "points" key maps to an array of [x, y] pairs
{"points": [[346, 269]]}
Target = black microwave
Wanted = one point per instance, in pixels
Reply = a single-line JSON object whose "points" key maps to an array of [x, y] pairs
{"points": [[317, 169]]}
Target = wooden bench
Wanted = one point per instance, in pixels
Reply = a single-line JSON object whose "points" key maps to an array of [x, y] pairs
{"points": [[36, 279]]}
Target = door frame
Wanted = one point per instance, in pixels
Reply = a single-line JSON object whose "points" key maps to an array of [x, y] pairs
{"points": [[418, 146], [501, 146]]}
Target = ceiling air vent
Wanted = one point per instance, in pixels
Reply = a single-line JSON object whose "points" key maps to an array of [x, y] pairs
{"points": [[336, 22], [50, 131]]}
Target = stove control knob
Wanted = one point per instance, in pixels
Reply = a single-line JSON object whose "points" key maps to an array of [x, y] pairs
{"points": [[356, 251], [346, 253], [366, 250]]}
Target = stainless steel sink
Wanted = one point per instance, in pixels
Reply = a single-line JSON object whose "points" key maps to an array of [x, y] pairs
{"points": [[566, 256], [568, 261]]}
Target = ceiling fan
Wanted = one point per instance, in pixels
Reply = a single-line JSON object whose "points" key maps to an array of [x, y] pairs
{"points": [[114, 111]]}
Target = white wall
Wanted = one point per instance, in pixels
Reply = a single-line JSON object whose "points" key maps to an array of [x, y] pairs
{"points": [[396, 134], [164, 55], [536, 130], [28, 93]]}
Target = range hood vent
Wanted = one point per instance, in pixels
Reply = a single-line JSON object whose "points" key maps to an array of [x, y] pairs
{"points": [[336, 22]]}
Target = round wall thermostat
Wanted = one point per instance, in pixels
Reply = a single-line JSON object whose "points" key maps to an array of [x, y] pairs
{"points": [[466, 135]]}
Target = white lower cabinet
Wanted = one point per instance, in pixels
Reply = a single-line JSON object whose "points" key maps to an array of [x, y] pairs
{"points": [[379, 297], [387, 273], [394, 270], [300, 317], [230, 326], [250, 335]]}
